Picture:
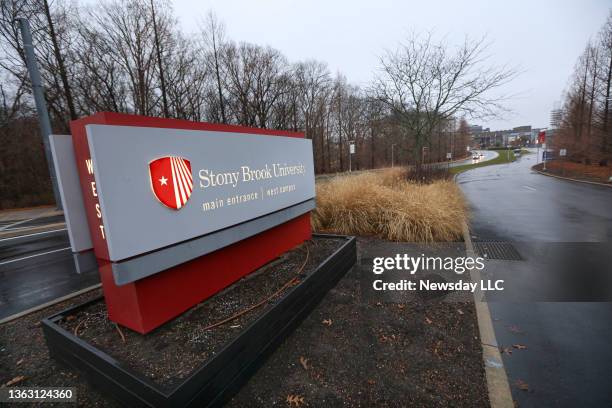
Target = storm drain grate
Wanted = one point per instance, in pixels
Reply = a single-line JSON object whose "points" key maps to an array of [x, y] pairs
{"points": [[497, 250]]}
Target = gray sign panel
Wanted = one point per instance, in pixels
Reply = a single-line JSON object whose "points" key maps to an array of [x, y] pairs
{"points": [[70, 192], [233, 178]]}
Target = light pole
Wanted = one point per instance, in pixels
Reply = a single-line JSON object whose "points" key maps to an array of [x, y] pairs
{"points": [[39, 100], [392, 146]]}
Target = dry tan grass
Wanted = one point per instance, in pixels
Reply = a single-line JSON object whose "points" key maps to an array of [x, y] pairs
{"points": [[385, 204]]}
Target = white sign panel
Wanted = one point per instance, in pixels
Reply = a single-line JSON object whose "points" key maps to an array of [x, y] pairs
{"points": [[352, 148], [562, 152], [159, 187]]}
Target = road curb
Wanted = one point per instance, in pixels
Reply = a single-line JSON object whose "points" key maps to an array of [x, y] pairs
{"points": [[570, 179], [497, 380]]}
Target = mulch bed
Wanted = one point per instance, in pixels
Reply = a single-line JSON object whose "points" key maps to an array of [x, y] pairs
{"points": [[350, 351], [170, 353], [578, 171], [355, 351]]}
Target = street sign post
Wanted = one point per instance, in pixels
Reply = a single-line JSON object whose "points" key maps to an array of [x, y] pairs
{"points": [[351, 152], [562, 153]]}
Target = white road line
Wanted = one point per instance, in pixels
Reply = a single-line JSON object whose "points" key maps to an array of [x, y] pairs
{"points": [[530, 188], [33, 256], [15, 223], [31, 235]]}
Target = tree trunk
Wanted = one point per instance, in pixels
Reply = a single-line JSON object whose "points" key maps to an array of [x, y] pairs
{"points": [[606, 113]]}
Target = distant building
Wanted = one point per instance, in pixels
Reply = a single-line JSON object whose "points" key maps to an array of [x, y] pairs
{"points": [[475, 129], [497, 138], [555, 118], [522, 129]]}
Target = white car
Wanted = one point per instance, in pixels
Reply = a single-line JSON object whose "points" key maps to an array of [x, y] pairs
{"points": [[475, 157], [481, 154]]}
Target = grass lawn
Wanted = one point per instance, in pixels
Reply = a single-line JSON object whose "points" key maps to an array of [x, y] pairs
{"points": [[504, 157]]}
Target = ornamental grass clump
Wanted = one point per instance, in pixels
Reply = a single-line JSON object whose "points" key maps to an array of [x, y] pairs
{"points": [[387, 205]]}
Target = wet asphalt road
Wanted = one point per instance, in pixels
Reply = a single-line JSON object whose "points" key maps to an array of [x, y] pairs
{"points": [[488, 155], [554, 298], [38, 269]]}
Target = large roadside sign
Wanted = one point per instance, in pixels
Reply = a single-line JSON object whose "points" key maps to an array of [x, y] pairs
{"points": [[176, 211]]}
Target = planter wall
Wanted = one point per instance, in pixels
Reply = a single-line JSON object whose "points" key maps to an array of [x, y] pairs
{"points": [[219, 377]]}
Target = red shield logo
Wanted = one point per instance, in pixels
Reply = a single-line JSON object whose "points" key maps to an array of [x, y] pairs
{"points": [[171, 180]]}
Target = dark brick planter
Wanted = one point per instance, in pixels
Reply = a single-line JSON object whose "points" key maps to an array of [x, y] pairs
{"points": [[221, 376]]}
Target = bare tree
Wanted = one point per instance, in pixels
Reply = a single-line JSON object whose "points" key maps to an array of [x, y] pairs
{"points": [[160, 64], [425, 83], [213, 33], [585, 128]]}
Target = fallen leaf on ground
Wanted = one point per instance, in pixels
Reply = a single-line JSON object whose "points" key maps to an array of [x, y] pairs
{"points": [[327, 322], [427, 320], [401, 305], [371, 381], [304, 362], [522, 385], [295, 400], [20, 361], [460, 311], [519, 346], [15, 380]]}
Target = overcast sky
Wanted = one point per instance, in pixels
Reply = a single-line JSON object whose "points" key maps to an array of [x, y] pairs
{"points": [[544, 38]]}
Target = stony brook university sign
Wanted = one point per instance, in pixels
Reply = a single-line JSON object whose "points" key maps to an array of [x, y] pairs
{"points": [[178, 210], [171, 181]]}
